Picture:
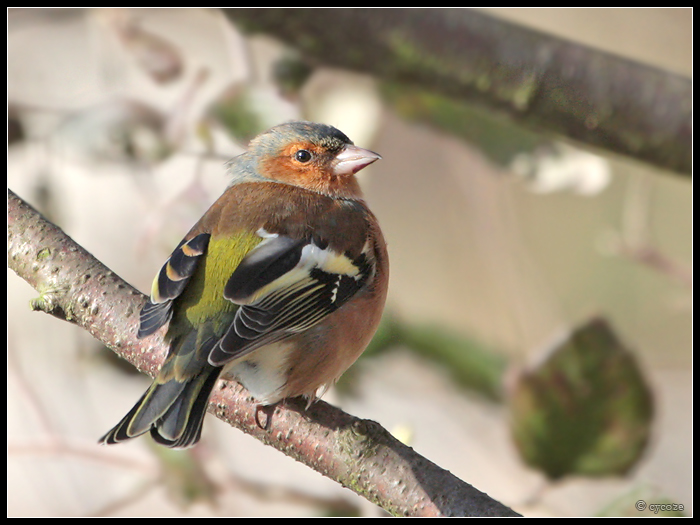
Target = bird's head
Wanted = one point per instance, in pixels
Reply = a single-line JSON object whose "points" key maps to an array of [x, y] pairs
{"points": [[313, 156]]}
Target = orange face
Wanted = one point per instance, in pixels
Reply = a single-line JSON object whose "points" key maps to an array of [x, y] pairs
{"points": [[309, 166], [314, 157], [300, 163]]}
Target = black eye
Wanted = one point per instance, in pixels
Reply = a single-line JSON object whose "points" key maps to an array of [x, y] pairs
{"points": [[302, 155]]}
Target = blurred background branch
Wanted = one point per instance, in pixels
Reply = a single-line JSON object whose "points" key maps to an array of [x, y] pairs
{"points": [[538, 80]]}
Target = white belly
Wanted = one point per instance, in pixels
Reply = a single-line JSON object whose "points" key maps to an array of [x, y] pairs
{"points": [[263, 372]]}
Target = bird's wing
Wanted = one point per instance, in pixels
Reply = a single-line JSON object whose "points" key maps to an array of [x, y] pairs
{"points": [[170, 282], [285, 286]]}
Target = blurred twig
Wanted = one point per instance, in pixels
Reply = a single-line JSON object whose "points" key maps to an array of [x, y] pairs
{"points": [[655, 259], [540, 81], [634, 240]]}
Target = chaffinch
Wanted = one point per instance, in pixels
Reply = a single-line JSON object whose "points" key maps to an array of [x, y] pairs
{"points": [[280, 285]]}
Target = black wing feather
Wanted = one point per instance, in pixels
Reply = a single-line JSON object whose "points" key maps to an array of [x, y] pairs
{"points": [[170, 282]]}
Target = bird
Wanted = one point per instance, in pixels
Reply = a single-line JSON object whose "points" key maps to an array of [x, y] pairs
{"points": [[279, 286]]}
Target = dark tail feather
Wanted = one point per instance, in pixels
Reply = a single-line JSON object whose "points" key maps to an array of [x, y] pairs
{"points": [[173, 412], [181, 426]]}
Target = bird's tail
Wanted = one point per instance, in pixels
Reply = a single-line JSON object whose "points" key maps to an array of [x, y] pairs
{"points": [[172, 411]]}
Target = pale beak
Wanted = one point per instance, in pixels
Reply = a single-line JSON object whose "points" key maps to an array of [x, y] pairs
{"points": [[352, 159]]}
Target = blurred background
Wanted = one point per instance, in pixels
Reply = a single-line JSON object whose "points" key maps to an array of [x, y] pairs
{"points": [[504, 264]]}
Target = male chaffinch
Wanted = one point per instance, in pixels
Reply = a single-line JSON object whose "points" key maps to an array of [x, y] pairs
{"points": [[280, 285]]}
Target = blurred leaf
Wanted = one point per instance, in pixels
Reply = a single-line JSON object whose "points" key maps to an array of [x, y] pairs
{"points": [[469, 363], [232, 111], [585, 410], [244, 110], [290, 74], [498, 138]]}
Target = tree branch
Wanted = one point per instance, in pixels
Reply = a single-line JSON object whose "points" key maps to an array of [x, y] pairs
{"points": [[357, 453], [538, 80]]}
